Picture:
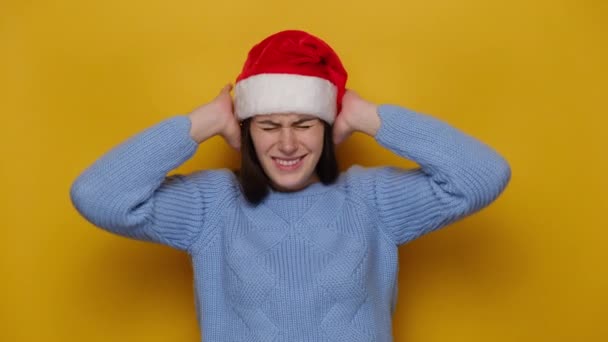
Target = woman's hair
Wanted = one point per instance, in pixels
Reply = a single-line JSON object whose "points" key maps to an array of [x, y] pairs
{"points": [[254, 181]]}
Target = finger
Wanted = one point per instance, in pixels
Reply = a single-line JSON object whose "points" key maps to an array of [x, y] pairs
{"points": [[225, 90], [234, 140], [233, 135], [340, 131], [338, 138]]}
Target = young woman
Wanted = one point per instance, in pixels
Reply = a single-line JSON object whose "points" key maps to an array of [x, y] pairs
{"points": [[290, 249]]}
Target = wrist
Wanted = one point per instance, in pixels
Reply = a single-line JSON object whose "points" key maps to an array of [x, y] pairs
{"points": [[203, 126], [369, 122]]}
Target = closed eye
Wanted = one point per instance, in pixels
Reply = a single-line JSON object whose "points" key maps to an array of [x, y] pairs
{"points": [[274, 128]]}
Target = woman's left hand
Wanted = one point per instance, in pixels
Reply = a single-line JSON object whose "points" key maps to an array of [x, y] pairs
{"points": [[357, 115]]}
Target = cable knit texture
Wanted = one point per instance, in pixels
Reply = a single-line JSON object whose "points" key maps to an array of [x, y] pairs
{"points": [[315, 265]]}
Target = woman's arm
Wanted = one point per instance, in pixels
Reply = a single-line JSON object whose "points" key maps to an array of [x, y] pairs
{"points": [[458, 174], [127, 190]]}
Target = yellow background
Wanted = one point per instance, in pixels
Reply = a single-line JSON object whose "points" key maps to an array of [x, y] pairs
{"points": [[527, 77]]}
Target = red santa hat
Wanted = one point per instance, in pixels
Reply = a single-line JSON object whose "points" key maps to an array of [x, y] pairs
{"points": [[290, 72]]}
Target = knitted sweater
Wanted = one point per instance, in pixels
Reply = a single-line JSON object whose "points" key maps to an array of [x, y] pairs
{"points": [[317, 265]]}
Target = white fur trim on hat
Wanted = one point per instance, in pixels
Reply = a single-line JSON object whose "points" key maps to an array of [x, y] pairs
{"points": [[285, 93]]}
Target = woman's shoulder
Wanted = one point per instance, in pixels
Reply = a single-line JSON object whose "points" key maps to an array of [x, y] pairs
{"points": [[359, 178], [220, 180], [356, 173], [355, 177]]}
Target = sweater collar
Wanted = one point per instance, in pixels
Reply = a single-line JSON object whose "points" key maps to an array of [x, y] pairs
{"points": [[311, 190]]}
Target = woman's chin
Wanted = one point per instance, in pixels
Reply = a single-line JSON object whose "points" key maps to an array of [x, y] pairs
{"points": [[287, 185]]}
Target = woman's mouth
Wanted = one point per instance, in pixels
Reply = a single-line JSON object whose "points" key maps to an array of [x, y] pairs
{"points": [[288, 164]]}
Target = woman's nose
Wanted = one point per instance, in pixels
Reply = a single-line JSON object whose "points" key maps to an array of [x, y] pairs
{"points": [[287, 141]]}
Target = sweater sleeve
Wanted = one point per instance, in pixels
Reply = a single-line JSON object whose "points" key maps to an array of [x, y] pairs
{"points": [[127, 190], [457, 175]]}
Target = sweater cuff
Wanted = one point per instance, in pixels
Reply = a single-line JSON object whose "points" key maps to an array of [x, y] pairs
{"points": [[398, 124], [168, 144]]}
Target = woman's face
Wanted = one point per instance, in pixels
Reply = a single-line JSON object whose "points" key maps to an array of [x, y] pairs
{"points": [[288, 147]]}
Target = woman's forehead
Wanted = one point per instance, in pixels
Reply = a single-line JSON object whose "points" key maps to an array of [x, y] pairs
{"points": [[284, 117]]}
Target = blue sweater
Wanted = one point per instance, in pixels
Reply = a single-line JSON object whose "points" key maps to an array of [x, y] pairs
{"points": [[316, 265]]}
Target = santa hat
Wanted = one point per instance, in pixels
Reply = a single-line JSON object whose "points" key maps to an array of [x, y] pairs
{"points": [[290, 72]]}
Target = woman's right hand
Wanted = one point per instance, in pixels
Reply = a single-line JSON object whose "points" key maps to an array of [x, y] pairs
{"points": [[216, 118]]}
